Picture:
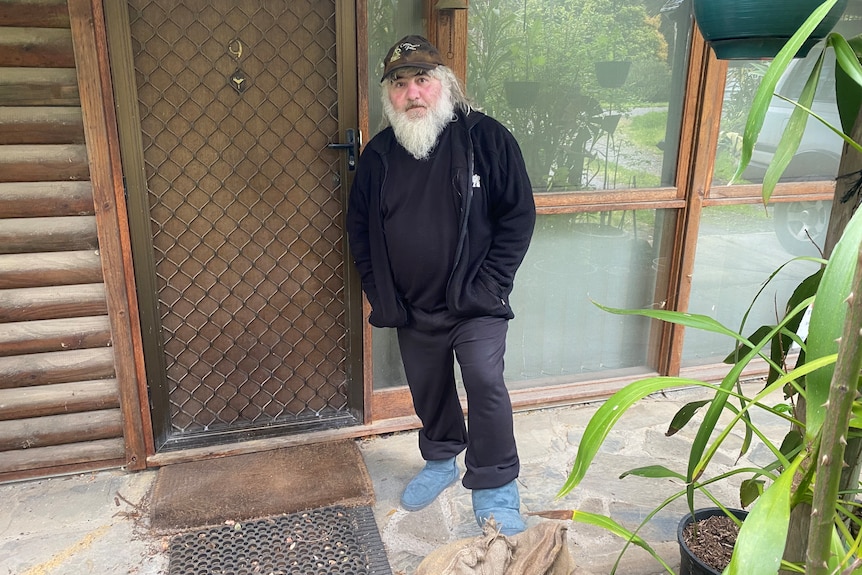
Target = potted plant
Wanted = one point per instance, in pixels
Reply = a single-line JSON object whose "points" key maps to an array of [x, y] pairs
{"points": [[706, 539], [823, 438], [775, 487]]}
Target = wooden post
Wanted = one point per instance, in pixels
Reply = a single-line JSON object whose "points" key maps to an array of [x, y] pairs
{"points": [[448, 30]]}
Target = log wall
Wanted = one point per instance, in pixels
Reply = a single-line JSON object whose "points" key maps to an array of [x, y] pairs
{"points": [[59, 394]]}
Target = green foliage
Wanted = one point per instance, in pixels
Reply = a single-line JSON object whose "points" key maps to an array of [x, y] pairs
{"points": [[762, 540], [649, 83], [743, 79]]}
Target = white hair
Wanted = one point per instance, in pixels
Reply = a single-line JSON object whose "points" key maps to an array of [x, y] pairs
{"points": [[451, 83]]}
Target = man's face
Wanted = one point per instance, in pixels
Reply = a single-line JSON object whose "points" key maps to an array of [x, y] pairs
{"points": [[415, 96]]}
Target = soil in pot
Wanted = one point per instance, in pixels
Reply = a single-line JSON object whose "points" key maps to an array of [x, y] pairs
{"points": [[712, 540]]}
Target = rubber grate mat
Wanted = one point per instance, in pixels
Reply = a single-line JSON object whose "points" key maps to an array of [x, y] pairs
{"points": [[331, 540]]}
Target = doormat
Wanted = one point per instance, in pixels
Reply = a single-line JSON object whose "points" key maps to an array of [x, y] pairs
{"points": [[333, 540], [255, 485]]}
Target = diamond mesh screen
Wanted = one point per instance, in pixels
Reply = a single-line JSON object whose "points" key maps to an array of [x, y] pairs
{"points": [[238, 102]]}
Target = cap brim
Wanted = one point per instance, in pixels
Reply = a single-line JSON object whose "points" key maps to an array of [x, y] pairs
{"points": [[420, 65]]}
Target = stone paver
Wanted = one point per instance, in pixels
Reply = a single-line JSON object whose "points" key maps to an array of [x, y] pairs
{"points": [[97, 522]]}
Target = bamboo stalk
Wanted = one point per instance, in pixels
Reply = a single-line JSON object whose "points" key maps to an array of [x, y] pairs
{"points": [[842, 392]]}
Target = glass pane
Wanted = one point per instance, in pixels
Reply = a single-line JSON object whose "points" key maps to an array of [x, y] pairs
{"points": [[558, 335], [592, 89], [388, 22], [611, 258], [388, 371], [820, 149], [739, 247]]}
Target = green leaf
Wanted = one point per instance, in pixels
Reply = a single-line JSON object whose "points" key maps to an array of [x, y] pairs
{"points": [[684, 415], [792, 134], [848, 79], [847, 54], [653, 472], [741, 349], [827, 320], [791, 443], [750, 490], [692, 320], [856, 416], [610, 525], [776, 69], [781, 345], [760, 544], [838, 132], [604, 419]]}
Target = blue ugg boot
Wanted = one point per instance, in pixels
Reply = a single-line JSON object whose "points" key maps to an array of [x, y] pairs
{"points": [[504, 504], [429, 483]]}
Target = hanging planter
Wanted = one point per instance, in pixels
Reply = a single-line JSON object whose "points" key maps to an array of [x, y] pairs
{"points": [[612, 74], [757, 29], [521, 94]]}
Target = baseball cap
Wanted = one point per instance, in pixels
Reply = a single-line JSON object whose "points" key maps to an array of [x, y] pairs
{"points": [[411, 52]]}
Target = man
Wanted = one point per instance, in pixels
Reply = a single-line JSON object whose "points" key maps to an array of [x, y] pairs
{"points": [[439, 218]]}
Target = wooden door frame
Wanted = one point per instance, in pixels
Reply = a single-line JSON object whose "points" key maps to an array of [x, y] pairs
{"points": [[349, 91], [128, 117]]}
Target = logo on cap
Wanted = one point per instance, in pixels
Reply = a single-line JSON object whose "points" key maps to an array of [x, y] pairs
{"points": [[404, 46]]}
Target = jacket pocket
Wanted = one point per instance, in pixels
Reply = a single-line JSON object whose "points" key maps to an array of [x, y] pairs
{"points": [[393, 315], [483, 296]]}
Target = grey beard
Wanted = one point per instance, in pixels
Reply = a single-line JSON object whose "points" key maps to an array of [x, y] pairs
{"points": [[419, 136]]}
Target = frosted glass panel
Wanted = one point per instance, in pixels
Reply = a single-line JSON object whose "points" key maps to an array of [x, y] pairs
{"points": [[558, 335], [738, 249]]}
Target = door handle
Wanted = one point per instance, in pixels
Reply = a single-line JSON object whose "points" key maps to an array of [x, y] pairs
{"points": [[351, 146]]}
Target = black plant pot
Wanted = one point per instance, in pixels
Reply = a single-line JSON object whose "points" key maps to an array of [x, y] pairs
{"points": [[521, 94], [755, 29], [689, 564], [612, 73]]}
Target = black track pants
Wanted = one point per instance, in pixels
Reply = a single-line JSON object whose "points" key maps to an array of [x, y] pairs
{"points": [[428, 356]]}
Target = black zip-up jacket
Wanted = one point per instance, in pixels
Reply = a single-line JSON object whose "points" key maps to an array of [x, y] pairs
{"points": [[497, 216]]}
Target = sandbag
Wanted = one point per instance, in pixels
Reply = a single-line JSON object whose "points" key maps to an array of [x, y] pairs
{"points": [[540, 550]]}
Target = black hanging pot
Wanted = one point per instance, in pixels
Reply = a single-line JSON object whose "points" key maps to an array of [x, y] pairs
{"points": [[757, 29], [689, 563], [521, 94], [612, 74]]}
